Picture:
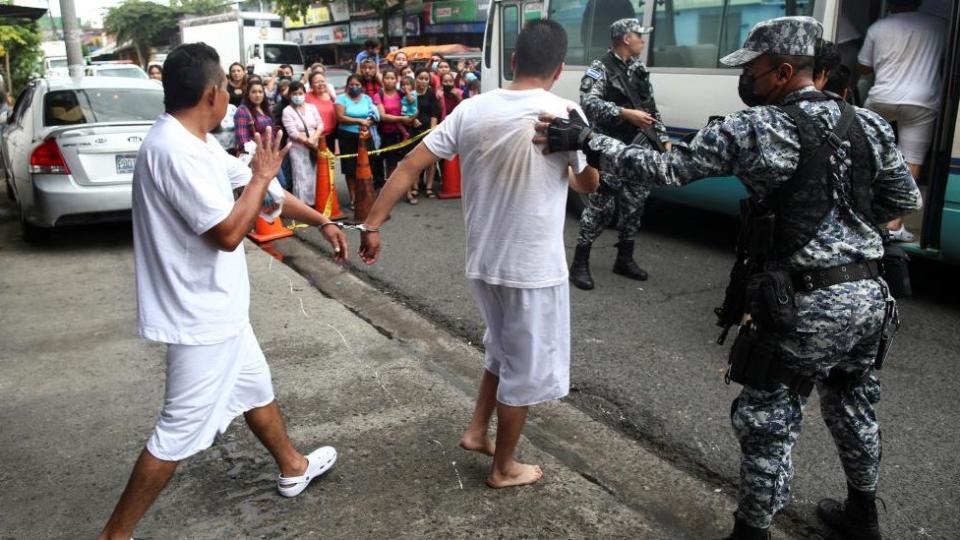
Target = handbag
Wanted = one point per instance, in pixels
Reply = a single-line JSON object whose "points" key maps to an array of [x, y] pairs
{"points": [[313, 155]]}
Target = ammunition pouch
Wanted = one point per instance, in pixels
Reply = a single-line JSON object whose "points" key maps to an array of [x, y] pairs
{"points": [[770, 301], [755, 362], [895, 270]]}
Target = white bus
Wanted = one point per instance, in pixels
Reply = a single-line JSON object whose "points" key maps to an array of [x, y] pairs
{"points": [[690, 84]]}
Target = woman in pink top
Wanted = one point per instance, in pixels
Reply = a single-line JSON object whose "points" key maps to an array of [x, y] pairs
{"points": [[392, 122], [304, 127], [321, 97]]}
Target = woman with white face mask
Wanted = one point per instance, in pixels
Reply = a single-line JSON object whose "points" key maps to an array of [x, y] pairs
{"points": [[303, 125]]}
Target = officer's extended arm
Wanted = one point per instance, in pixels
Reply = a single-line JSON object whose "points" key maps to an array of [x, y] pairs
{"points": [[711, 153]]}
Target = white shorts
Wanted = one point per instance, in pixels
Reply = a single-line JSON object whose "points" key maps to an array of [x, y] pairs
{"points": [[914, 127], [527, 340], [207, 387]]}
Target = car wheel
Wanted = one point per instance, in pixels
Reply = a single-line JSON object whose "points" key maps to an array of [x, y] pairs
{"points": [[31, 233]]}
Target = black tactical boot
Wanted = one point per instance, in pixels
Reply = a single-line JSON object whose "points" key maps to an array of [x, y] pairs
{"points": [[742, 531], [856, 517], [580, 268], [625, 264]]}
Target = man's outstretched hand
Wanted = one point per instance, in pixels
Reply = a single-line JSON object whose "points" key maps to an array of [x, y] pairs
{"points": [[562, 135], [269, 155]]}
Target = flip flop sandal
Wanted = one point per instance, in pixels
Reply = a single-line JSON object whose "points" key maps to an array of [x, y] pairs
{"points": [[413, 200], [318, 462], [431, 194]]}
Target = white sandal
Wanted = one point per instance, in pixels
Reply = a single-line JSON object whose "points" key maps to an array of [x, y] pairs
{"points": [[318, 462]]}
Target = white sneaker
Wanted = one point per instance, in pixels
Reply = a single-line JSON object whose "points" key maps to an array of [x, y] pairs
{"points": [[318, 462], [901, 235]]}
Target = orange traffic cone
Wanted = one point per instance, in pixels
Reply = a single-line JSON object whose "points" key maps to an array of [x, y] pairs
{"points": [[363, 193], [450, 186], [266, 231], [326, 197]]}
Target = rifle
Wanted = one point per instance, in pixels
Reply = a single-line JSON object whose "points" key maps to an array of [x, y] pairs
{"points": [[753, 245]]}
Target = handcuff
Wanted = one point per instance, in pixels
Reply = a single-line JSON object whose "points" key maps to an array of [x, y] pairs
{"points": [[346, 226]]}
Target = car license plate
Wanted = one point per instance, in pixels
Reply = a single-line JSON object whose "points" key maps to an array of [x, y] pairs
{"points": [[126, 163]]}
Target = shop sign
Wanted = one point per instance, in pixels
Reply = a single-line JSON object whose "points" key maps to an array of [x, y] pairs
{"points": [[453, 11], [323, 35]]}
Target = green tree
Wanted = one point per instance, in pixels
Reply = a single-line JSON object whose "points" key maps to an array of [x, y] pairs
{"points": [[143, 23], [20, 50], [199, 7]]}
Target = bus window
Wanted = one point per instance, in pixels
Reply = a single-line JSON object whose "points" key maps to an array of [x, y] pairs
{"points": [[587, 23], [508, 38], [698, 33]]}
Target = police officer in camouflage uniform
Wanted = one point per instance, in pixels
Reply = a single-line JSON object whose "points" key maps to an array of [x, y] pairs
{"points": [[828, 240], [617, 96]]}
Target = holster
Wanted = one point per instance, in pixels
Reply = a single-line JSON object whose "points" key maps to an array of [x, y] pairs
{"points": [[755, 362], [891, 324], [895, 270], [771, 302]]}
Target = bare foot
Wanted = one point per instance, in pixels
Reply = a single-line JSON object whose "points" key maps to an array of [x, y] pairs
{"points": [[520, 474], [476, 443]]}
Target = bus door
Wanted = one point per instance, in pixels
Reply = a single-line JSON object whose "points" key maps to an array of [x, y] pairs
{"points": [[941, 218], [503, 25]]}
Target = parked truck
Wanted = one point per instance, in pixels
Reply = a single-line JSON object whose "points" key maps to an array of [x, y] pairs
{"points": [[54, 58], [253, 39]]}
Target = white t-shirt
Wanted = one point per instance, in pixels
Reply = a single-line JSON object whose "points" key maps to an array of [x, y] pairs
{"points": [[514, 197], [905, 52], [189, 292]]}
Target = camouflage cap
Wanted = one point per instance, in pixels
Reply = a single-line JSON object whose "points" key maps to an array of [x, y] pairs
{"points": [[789, 36], [620, 28]]}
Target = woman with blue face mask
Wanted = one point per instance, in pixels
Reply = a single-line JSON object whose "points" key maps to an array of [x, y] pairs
{"points": [[354, 109], [302, 122]]}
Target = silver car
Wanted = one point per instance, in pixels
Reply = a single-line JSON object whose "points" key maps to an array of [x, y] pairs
{"points": [[69, 148]]}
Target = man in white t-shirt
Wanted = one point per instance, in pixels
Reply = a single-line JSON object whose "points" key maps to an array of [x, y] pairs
{"points": [[193, 292], [514, 200], [904, 52]]}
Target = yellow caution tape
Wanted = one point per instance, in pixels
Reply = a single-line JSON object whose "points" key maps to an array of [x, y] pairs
{"points": [[390, 148]]}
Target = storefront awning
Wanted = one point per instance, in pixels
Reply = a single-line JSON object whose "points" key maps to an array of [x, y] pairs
{"points": [[12, 13]]}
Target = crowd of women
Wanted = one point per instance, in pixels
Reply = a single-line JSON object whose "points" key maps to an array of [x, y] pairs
{"points": [[394, 101]]}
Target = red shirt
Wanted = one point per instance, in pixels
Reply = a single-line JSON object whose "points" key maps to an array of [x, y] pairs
{"points": [[327, 110]]}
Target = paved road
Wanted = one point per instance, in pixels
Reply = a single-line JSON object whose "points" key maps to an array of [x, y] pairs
{"points": [[645, 361], [351, 368]]}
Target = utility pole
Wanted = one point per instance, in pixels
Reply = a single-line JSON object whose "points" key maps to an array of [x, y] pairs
{"points": [[71, 36]]}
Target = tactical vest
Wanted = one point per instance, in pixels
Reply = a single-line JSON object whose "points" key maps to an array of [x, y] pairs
{"points": [[804, 201], [632, 94]]}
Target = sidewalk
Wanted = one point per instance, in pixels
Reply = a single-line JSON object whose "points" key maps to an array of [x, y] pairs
{"points": [[385, 387]]}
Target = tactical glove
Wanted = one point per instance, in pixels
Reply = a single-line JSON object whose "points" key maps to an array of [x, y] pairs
{"points": [[572, 134], [568, 134]]}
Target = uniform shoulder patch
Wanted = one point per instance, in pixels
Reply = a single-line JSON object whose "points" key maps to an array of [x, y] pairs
{"points": [[594, 74]]}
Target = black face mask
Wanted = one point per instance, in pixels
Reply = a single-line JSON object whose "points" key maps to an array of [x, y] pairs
{"points": [[448, 88], [748, 94]]}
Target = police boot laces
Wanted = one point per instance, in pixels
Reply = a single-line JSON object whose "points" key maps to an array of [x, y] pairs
{"points": [[580, 269], [742, 531], [856, 516], [625, 265]]}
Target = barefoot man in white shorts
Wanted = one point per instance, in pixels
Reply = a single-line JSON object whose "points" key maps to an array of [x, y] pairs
{"points": [[514, 201], [193, 292]]}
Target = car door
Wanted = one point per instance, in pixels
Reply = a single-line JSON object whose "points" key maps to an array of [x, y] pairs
{"points": [[17, 139]]}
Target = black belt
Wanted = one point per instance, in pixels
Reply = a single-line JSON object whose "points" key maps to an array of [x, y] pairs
{"points": [[818, 279]]}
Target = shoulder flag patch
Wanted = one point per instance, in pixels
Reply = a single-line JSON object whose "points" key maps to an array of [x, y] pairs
{"points": [[594, 74]]}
